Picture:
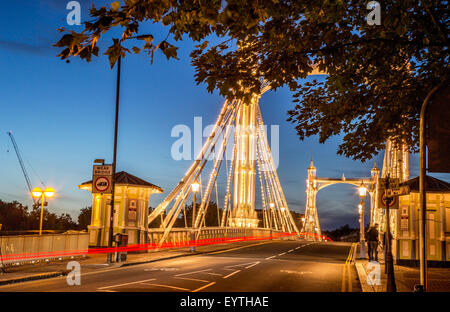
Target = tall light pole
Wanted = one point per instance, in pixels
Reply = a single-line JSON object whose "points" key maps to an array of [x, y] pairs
{"points": [[195, 188], [282, 209], [271, 220], [38, 193], [389, 263], [362, 194], [113, 178]]}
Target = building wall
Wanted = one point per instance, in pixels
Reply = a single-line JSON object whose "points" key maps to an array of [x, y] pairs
{"points": [[406, 236], [130, 217]]}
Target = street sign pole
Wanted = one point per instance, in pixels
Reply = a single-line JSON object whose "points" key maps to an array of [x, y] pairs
{"points": [[113, 180], [390, 287]]}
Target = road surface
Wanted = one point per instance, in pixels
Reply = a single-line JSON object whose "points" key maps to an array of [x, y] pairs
{"points": [[267, 266]]}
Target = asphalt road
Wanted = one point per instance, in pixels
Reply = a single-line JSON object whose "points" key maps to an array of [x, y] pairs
{"points": [[273, 266]]}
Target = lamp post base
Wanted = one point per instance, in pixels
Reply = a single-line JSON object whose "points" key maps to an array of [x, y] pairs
{"points": [[192, 249], [362, 254]]}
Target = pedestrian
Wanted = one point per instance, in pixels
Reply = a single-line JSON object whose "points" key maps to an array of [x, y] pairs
{"points": [[372, 239]]}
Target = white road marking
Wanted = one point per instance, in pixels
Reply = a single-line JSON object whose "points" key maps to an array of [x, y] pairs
{"points": [[252, 265], [162, 269], [210, 273], [203, 287], [270, 257], [192, 279], [295, 272], [290, 250], [107, 290], [241, 264], [118, 285], [167, 286], [281, 254], [231, 274], [193, 272]]}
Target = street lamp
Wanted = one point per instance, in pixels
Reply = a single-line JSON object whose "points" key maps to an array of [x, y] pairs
{"points": [[195, 188], [271, 217], [38, 193], [362, 190]]}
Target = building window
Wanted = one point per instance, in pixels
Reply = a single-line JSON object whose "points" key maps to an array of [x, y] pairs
{"points": [[132, 210]]}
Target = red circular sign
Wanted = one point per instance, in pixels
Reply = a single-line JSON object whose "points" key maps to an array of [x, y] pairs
{"points": [[101, 184], [393, 199]]}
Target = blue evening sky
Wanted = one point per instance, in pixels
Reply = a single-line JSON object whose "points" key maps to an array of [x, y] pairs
{"points": [[62, 116]]}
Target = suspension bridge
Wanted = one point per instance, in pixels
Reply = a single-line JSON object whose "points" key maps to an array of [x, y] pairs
{"points": [[240, 131]]}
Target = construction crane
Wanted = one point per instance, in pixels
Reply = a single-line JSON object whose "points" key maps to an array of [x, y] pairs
{"points": [[25, 174]]}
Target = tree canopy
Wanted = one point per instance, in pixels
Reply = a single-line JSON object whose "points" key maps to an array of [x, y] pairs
{"points": [[378, 75], [16, 217]]}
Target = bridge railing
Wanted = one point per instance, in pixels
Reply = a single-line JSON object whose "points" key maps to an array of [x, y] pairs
{"points": [[182, 237]]}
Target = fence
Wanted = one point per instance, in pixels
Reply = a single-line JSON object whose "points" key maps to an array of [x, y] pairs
{"points": [[181, 236], [21, 249]]}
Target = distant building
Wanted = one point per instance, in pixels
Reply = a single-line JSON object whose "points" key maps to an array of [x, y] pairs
{"points": [[132, 196], [406, 238]]}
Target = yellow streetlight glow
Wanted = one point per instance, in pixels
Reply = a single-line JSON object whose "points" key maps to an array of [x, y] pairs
{"points": [[282, 209], [49, 192], [272, 205], [37, 192], [195, 187], [362, 190]]}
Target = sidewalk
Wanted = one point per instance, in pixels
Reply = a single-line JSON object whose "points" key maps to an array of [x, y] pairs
{"points": [[97, 262], [405, 277]]}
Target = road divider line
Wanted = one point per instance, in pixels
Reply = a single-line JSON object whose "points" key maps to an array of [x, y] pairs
{"points": [[203, 287], [268, 258], [290, 250], [192, 279], [107, 290], [252, 265], [231, 274], [235, 265], [167, 286], [346, 269], [232, 249], [125, 284], [182, 274]]}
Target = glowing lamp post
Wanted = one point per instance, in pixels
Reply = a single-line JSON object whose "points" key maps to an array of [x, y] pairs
{"points": [[271, 205], [283, 216], [195, 188], [38, 193], [362, 190]]}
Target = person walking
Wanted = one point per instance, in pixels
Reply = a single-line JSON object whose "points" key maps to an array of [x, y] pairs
{"points": [[372, 239]]}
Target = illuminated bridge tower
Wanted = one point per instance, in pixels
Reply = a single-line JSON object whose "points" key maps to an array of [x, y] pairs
{"points": [[311, 224], [244, 173]]}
